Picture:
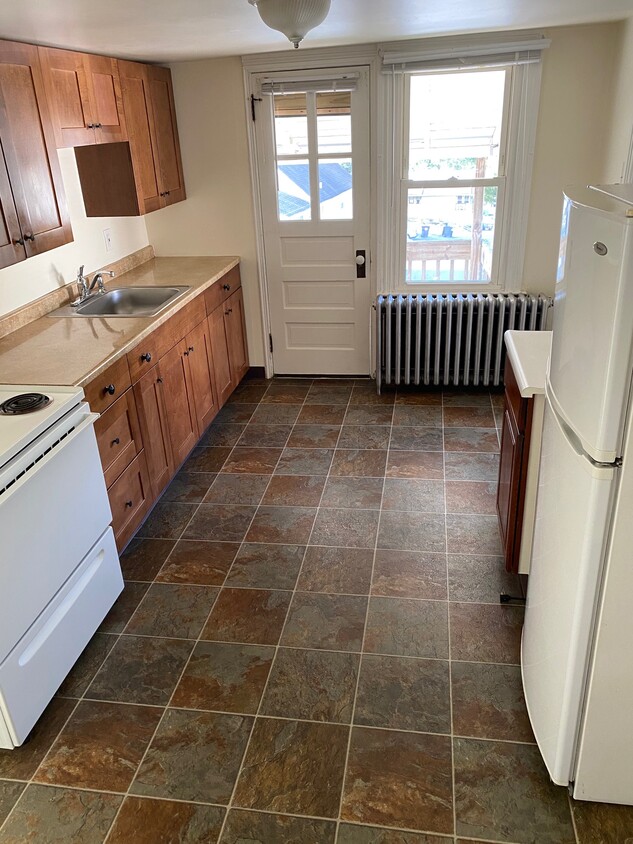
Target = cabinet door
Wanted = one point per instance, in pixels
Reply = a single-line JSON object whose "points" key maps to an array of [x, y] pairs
{"points": [[11, 244], [148, 393], [66, 84], [29, 150], [508, 490], [199, 368], [220, 354], [165, 135], [181, 417], [106, 102], [236, 334], [137, 105]]}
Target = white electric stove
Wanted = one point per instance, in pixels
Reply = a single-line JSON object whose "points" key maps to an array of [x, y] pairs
{"points": [[59, 568]]}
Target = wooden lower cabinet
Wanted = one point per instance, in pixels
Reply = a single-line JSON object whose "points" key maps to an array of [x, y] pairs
{"points": [[118, 436], [181, 417], [199, 375], [148, 393], [131, 497], [227, 329], [221, 354]]}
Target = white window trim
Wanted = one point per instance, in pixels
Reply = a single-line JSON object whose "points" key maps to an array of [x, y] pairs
{"points": [[514, 198]]}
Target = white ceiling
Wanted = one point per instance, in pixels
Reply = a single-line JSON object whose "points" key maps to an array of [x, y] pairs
{"points": [[162, 30]]}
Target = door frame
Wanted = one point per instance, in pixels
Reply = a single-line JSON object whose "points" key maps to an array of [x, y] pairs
{"points": [[317, 59]]}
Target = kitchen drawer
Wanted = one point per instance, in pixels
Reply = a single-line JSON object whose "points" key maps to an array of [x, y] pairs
{"points": [[106, 388], [149, 351], [130, 499], [118, 436], [222, 289]]}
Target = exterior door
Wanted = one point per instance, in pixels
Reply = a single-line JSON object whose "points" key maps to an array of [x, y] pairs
{"points": [[313, 161]]}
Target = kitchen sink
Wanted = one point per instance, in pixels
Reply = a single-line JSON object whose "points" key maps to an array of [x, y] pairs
{"points": [[125, 302]]}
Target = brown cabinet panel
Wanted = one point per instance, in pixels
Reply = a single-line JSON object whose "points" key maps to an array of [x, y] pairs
{"points": [[236, 333], [167, 145], [220, 354], [12, 247], [29, 150], [199, 369], [106, 388], [106, 99], [118, 436], [152, 414], [181, 419], [130, 500]]}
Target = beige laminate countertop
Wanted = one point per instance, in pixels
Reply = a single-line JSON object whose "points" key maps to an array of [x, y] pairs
{"points": [[72, 350], [529, 353]]}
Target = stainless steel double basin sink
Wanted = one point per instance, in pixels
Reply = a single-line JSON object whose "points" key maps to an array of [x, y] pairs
{"points": [[124, 302]]}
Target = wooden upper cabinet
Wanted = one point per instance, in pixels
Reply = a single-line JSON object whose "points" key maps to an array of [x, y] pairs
{"points": [[32, 166], [85, 97], [169, 164]]}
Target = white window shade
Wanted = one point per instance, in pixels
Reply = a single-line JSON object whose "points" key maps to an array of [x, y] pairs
{"points": [[315, 85]]}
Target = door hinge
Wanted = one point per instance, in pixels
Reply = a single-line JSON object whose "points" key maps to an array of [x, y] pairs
{"points": [[270, 343], [254, 100]]}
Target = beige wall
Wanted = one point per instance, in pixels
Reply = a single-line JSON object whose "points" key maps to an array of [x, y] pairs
{"points": [[621, 97], [30, 279], [217, 217], [572, 135]]}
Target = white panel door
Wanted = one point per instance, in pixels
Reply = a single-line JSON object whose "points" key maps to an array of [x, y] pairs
{"points": [[313, 158]]}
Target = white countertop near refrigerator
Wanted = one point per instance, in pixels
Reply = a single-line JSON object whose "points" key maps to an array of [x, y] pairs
{"points": [[529, 353]]}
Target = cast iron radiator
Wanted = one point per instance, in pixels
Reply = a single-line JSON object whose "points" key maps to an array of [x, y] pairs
{"points": [[450, 339]]}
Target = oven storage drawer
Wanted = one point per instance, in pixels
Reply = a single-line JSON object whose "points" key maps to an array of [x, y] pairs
{"points": [[40, 661], [51, 510]]}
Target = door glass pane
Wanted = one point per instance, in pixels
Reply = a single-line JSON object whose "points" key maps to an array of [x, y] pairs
{"points": [[450, 234], [335, 189], [291, 124], [455, 125], [334, 121], [293, 190]]}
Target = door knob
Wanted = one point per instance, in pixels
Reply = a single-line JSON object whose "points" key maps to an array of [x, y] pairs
{"points": [[360, 260], [361, 269]]}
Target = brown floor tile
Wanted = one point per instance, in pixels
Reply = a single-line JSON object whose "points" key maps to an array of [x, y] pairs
{"points": [[141, 670], [356, 834], [336, 570], [368, 415], [329, 394], [282, 524], [266, 436], [266, 566], [411, 532], [264, 828], [146, 821], [368, 395], [417, 415], [415, 464], [143, 558], [237, 489], [471, 497], [220, 522], [9, 793], [224, 677], [295, 490], [479, 578], [399, 779], [123, 608], [486, 633], [469, 417], [603, 822], [167, 520], [100, 747], [198, 562], [417, 439], [235, 413], [471, 439], [409, 574], [21, 763], [364, 436], [188, 487], [353, 493], [207, 459], [332, 622], [503, 792], [194, 756], [252, 461], [248, 393], [404, 694], [467, 398], [407, 628], [172, 610], [359, 463], [488, 702], [218, 434], [345, 528], [417, 395], [465, 466], [276, 414], [301, 461], [322, 414], [473, 534], [56, 815], [286, 394], [248, 615], [90, 661], [312, 685], [314, 436], [294, 767], [410, 494]]}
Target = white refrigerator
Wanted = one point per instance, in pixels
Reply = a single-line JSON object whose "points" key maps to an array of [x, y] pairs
{"points": [[577, 648]]}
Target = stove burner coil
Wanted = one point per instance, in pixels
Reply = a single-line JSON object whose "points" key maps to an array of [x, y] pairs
{"points": [[24, 403]]}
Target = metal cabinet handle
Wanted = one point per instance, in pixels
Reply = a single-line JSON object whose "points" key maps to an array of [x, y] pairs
{"points": [[186, 354], [230, 311], [19, 242], [90, 126], [191, 348], [159, 380], [97, 126], [165, 193], [146, 356], [110, 389], [115, 441], [129, 503], [226, 287], [30, 237]]}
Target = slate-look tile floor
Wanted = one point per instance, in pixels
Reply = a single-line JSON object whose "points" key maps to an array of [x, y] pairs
{"points": [[309, 648]]}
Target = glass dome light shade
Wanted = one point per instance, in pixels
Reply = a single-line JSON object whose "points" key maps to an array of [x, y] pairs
{"points": [[295, 18]]}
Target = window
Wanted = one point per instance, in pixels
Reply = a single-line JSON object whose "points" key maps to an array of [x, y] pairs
{"points": [[459, 136]]}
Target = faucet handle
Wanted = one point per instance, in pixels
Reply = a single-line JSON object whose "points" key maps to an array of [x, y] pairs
{"points": [[80, 273]]}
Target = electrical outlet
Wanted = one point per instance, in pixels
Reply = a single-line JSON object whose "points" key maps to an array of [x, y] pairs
{"points": [[107, 236]]}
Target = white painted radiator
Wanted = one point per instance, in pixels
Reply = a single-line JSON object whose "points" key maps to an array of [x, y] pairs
{"points": [[450, 338]]}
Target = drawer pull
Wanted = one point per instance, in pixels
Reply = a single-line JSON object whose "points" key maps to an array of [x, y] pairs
{"points": [[110, 389], [30, 237], [115, 441], [226, 287], [159, 380], [19, 242], [230, 311], [129, 503], [191, 348], [146, 356]]}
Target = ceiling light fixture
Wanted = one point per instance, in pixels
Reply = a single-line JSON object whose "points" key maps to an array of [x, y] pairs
{"points": [[295, 18]]}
